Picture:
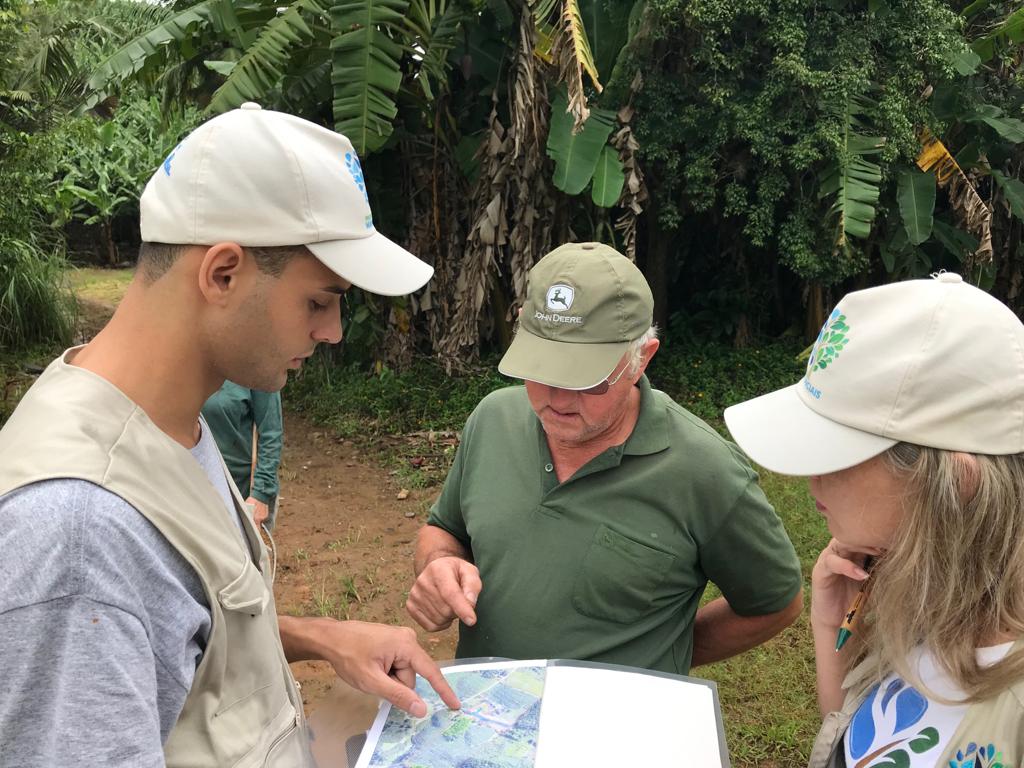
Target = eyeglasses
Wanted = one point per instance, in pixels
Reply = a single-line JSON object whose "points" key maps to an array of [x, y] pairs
{"points": [[604, 386]]}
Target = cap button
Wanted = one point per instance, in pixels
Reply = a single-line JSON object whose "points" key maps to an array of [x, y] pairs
{"points": [[250, 105], [587, 246], [949, 277]]}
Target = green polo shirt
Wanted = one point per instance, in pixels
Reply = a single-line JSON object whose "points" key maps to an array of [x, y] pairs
{"points": [[609, 565]]}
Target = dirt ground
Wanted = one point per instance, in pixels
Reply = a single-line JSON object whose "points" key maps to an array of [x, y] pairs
{"points": [[344, 543]]}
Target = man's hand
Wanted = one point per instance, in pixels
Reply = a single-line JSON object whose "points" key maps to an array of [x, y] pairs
{"points": [[375, 658], [447, 587], [260, 511]]}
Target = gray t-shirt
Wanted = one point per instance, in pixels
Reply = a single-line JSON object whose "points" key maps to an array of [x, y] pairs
{"points": [[102, 625]]}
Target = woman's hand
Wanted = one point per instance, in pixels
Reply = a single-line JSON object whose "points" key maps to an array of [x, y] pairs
{"points": [[835, 581]]}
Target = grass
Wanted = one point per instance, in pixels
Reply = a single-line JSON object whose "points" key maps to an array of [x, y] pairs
{"points": [[36, 305], [103, 285]]}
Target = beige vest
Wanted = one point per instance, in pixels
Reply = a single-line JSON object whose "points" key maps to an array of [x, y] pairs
{"points": [[243, 708], [999, 720]]}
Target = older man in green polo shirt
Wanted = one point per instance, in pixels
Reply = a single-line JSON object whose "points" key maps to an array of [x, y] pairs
{"points": [[586, 512]]}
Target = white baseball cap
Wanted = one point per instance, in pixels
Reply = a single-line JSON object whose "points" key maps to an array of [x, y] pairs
{"points": [[261, 178], [933, 362]]}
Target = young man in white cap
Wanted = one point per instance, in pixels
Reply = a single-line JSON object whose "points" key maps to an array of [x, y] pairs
{"points": [[137, 622], [586, 512], [910, 424]]}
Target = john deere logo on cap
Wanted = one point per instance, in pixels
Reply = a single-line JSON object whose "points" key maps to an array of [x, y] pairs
{"points": [[560, 297]]}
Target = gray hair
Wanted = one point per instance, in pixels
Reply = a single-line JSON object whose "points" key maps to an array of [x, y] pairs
{"points": [[636, 348]]}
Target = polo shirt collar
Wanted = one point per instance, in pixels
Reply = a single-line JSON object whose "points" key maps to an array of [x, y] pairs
{"points": [[650, 435]]}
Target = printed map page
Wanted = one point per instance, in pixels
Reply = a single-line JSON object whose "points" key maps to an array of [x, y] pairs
{"points": [[497, 726]]}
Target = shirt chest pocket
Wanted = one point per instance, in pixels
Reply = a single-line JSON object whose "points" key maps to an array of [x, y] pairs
{"points": [[619, 577]]}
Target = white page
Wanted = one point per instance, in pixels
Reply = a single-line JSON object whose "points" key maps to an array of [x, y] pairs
{"points": [[604, 718]]}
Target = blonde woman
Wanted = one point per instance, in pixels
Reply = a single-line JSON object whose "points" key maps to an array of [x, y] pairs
{"points": [[910, 425]]}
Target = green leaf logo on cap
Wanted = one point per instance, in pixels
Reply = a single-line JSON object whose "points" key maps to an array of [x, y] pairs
{"points": [[831, 341]]}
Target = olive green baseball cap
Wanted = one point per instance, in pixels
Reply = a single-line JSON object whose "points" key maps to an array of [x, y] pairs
{"points": [[585, 303]]}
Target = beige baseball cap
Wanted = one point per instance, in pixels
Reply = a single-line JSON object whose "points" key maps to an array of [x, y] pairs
{"points": [[934, 362], [262, 178], [585, 303]]}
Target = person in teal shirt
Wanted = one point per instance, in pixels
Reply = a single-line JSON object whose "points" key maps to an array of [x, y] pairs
{"points": [[232, 413]]}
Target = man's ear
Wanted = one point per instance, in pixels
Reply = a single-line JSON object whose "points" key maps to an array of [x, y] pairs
{"points": [[648, 352], [219, 271]]}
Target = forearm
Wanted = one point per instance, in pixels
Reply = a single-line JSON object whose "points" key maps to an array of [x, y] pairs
{"points": [[303, 638], [719, 632], [434, 542], [831, 667]]}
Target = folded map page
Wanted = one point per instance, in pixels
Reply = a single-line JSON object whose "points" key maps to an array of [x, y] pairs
{"points": [[554, 714]]}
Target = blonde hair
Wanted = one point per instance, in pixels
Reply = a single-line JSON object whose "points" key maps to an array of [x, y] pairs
{"points": [[953, 578]]}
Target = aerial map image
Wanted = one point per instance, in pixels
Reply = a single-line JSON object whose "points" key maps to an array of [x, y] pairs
{"points": [[497, 726]]}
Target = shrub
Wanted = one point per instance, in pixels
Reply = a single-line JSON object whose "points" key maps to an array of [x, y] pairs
{"points": [[36, 305]]}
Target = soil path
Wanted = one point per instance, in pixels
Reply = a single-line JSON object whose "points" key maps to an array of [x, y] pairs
{"points": [[344, 543]]}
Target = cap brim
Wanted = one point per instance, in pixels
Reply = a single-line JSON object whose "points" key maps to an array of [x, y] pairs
{"points": [[779, 432], [374, 264], [562, 364]]}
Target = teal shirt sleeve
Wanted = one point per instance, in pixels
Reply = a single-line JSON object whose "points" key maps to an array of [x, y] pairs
{"points": [[266, 408]]}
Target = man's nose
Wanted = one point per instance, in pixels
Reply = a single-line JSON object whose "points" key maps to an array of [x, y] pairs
{"points": [[330, 332], [563, 399]]}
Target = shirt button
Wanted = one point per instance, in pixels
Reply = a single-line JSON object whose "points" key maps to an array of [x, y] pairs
{"points": [[549, 467]]}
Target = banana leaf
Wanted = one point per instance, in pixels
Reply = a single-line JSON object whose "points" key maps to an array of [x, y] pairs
{"points": [[150, 48], [366, 74], [850, 178], [1013, 190], [263, 66], [916, 195], [608, 178], [607, 27], [576, 156]]}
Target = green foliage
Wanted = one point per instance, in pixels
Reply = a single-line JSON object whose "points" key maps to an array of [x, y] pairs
{"points": [[608, 178], [852, 179], [421, 398], [265, 62], [577, 155], [366, 74], [36, 306], [707, 378], [766, 110], [147, 56], [917, 204], [107, 163]]}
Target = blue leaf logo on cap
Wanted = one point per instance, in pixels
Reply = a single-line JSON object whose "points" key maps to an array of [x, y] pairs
{"points": [[167, 162], [352, 163]]}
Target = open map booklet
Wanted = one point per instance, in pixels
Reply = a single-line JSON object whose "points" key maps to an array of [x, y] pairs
{"points": [[554, 714]]}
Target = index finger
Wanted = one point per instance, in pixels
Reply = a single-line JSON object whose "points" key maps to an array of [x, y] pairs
{"points": [[452, 593], [427, 669]]}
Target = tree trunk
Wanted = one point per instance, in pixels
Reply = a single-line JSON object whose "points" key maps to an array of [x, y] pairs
{"points": [[815, 315], [108, 238], [656, 269]]}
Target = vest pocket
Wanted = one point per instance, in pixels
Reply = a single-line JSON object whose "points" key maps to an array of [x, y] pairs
{"points": [[290, 749], [618, 578], [248, 593]]}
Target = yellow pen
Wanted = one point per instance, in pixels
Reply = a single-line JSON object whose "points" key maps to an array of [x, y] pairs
{"points": [[853, 614]]}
